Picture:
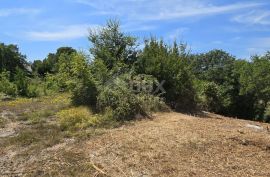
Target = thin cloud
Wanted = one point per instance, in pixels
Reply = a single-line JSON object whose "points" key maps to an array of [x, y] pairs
{"points": [[254, 18], [200, 11], [163, 10], [18, 11], [65, 33]]}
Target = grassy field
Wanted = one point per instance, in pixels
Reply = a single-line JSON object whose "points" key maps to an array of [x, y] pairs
{"points": [[35, 140]]}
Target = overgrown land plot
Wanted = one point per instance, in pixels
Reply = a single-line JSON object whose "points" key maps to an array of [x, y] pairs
{"points": [[124, 111], [168, 144]]}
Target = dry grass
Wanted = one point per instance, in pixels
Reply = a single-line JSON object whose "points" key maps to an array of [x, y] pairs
{"points": [[178, 145], [170, 144]]}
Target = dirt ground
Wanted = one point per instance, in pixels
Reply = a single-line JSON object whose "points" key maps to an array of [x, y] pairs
{"points": [[170, 144]]}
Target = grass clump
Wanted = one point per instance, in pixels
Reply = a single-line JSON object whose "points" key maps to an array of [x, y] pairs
{"points": [[39, 136], [16, 102], [77, 118], [37, 117]]}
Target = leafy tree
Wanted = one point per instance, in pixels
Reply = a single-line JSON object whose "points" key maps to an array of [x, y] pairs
{"points": [[85, 89], [11, 58], [170, 66], [111, 45], [255, 81], [52, 62], [216, 68]]}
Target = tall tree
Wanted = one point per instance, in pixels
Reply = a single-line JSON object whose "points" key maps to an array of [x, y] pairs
{"points": [[11, 58], [111, 45], [51, 63]]}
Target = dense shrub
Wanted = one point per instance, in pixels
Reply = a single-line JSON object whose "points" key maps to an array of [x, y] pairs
{"points": [[6, 86], [83, 85], [169, 65], [33, 90], [21, 81], [211, 97], [124, 104], [85, 93]]}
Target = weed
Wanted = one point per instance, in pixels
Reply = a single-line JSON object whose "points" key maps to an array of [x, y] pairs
{"points": [[37, 117], [77, 118], [39, 136]]}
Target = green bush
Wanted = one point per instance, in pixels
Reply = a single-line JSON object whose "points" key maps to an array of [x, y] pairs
{"points": [[82, 83], [169, 64], [124, 103], [84, 93], [22, 82], [6, 86], [212, 98], [32, 91]]}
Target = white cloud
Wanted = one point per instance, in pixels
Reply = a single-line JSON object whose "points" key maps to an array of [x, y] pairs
{"points": [[192, 11], [254, 17], [64, 33], [163, 10], [18, 11]]}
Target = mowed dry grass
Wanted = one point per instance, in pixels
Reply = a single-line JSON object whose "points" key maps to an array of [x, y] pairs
{"points": [[170, 144], [174, 144]]}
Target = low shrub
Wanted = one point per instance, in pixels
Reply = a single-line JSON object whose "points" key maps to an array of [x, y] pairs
{"points": [[32, 91], [120, 102], [76, 118]]}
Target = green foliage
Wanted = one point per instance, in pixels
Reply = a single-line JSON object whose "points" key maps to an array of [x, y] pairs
{"points": [[52, 62], [212, 97], [21, 81], [122, 82], [6, 86], [76, 118], [38, 116], [22, 85], [120, 102], [85, 92], [11, 58], [170, 65], [111, 45], [255, 82], [215, 66], [99, 71], [33, 90]]}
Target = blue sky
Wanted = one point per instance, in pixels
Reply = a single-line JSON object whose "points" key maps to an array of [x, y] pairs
{"points": [[39, 27]]}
